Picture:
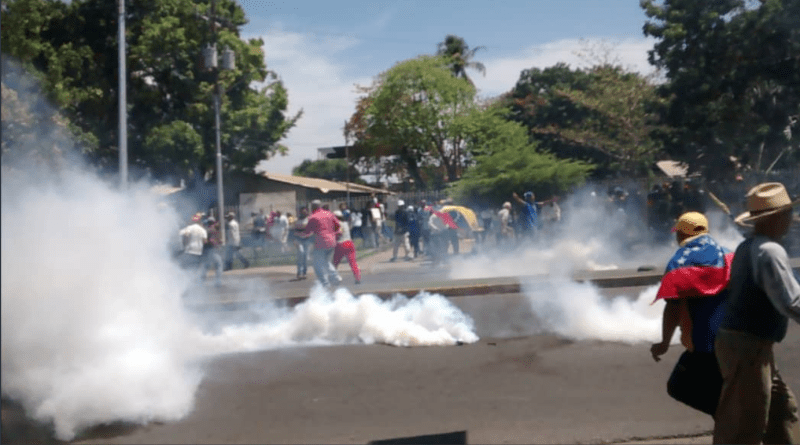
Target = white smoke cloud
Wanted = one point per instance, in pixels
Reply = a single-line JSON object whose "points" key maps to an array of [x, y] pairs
{"points": [[578, 311], [593, 235], [92, 322], [95, 321], [341, 318]]}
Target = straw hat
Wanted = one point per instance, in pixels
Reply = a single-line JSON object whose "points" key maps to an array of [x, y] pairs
{"points": [[764, 200], [691, 223]]}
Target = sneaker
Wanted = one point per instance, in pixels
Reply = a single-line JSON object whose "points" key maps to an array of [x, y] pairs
{"points": [[358, 281], [408, 258], [392, 260]]}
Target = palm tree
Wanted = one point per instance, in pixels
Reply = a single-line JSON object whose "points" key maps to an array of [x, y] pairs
{"points": [[461, 55]]}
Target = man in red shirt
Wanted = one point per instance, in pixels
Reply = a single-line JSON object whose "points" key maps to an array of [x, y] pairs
{"points": [[324, 226]]}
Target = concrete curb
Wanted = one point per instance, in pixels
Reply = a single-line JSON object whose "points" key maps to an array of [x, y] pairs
{"points": [[506, 285]]}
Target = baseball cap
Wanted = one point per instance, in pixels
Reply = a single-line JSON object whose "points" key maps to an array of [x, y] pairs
{"points": [[691, 223]]}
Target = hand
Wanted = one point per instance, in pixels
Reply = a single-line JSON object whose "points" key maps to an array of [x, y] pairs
{"points": [[659, 349]]}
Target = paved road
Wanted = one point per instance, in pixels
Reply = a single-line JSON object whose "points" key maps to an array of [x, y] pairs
{"points": [[515, 385], [527, 389]]}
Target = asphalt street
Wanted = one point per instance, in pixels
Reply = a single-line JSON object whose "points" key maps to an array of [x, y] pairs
{"points": [[517, 384]]}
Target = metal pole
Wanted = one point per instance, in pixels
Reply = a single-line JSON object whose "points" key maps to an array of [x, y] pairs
{"points": [[123, 107], [347, 164], [220, 195]]}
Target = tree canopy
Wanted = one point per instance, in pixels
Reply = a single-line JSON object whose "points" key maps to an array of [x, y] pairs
{"points": [[601, 115], [72, 49], [332, 169], [408, 112], [505, 160], [460, 56], [733, 80]]}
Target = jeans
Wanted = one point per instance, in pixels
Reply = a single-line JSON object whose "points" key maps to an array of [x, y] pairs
{"points": [[232, 252], [323, 267], [212, 260], [303, 249]]}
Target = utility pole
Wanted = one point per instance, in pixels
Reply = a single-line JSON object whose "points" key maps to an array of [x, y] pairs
{"points": [[123, 100], [228, 57], [347, 164]]}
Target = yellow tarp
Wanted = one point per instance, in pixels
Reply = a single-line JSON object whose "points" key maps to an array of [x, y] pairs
{"points": [[466, 212]]}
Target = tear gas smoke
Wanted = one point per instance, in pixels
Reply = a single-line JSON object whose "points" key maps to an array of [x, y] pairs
{"points": [[590, 236], [93, 319], [340, 318], [577, 311], [95, 326]]}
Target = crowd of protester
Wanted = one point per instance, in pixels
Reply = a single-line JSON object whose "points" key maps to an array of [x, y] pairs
{"points": [[422, 231]]}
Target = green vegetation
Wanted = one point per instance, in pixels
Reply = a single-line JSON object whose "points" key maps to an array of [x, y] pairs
{"points": [[727, 98], [72, 49]]}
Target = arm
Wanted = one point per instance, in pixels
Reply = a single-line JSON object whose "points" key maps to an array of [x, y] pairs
{"points": [[669, 323], [776, 277], [517, 198]]}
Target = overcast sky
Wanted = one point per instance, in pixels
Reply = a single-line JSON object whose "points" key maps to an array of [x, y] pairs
{"points": [[322, 49]]}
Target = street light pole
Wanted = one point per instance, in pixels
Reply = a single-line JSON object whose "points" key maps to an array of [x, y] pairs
{"points": [[347, 164], [220, 196], [123, 106], [220, 191], [228, 62]]}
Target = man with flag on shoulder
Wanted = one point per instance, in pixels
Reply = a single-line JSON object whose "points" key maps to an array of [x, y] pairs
{"points": [[694, 287]]}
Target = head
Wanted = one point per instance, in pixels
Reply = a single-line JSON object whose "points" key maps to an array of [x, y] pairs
{"points": [[507, 205], [229, 216], [211, 221], [410, 208], [316, 204], [198, 217], [529, 196], [400, 203], [339, 215], [302, 211], [342, 206], [690, 225], [769, 210]]}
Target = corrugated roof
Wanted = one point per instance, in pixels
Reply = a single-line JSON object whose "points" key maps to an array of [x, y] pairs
{"points": [[323, 185], [673, 168]]}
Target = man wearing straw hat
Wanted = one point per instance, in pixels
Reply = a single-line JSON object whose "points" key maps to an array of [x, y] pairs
{"points": [[755, 404]]}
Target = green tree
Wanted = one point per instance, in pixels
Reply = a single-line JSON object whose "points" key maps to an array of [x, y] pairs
{"points": [[332, 169], [408, 112], [618, 123], [460, 56], [733, 80], [506, 161], [72, 48], [601, 115]]}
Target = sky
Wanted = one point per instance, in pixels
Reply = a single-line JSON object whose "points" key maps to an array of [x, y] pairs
{"points": [[322, 49]]}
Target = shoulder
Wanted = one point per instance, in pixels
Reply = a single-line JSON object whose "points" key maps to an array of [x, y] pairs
{"points": [[769, 249]]}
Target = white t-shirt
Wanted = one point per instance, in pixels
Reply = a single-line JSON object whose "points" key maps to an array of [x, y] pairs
{"points": [[280, 227], [504, 215], [355, 219], [234, 238], [194, 236], [345, 235]]}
